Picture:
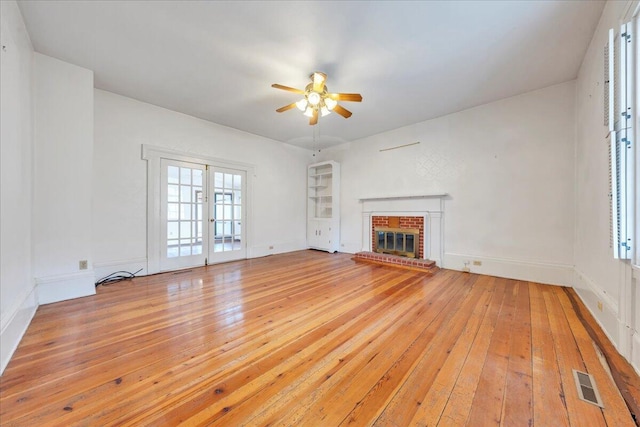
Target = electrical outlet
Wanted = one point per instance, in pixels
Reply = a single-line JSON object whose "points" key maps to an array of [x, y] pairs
{"points": [[270, 248], [476, 262], [600, 305], [83, 264]]}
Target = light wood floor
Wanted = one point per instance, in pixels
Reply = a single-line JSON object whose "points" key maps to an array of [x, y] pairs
{"points": [[308, 339]]}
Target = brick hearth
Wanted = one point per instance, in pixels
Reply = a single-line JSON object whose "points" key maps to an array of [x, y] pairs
{"points": [[424, 265]]}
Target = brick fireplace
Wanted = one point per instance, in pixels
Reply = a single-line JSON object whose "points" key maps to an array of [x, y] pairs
{"points": [[423, 212], [398, 222]]}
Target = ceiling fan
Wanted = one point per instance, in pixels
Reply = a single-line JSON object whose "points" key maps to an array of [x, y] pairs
{"points": [[318, 100]]}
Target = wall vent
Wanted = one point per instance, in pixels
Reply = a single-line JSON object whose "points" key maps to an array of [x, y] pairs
{"points": [[587, 389]]}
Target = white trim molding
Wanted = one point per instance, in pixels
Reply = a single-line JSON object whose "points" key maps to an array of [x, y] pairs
{"points": [[102, 269], [407, 197], [14, 326], [635, 353], [65, 286], [533, 271], [602, 306], [276, 248]]}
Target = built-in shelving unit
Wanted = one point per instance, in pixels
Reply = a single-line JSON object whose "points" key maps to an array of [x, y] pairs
{"points": [[323, 206]]}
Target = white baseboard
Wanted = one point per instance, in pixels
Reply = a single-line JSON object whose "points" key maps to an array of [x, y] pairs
{"points": [[547, 273], [14, 327], [103, 269], [607, 314], [276, 248], [583, 283], [350, 247], [65, 286], [635, 357]]}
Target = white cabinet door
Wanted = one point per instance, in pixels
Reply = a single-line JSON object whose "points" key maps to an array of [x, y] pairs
{"points": [[324, 235], [312, 234], [320, 235]]}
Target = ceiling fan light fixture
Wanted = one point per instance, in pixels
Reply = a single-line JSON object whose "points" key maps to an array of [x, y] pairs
{"points": [[313, 98], [318, 101], [330, 103], [302, 104], [309, 112]]}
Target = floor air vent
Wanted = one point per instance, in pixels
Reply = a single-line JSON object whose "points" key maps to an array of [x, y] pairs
{"points": [[587, 389]]}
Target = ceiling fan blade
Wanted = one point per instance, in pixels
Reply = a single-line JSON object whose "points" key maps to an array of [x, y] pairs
{"points": [[314, 119], [352, 97], [290, 89], [342, 111], [286, 107], [318, 81]]}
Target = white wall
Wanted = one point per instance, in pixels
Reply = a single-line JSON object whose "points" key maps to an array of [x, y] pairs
{"points": [[63, 134], [599, 277], [123, 125], [508, 168], [17, 295]]}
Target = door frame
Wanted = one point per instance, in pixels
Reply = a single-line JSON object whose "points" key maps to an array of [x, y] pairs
{"points": [[153, 156]]}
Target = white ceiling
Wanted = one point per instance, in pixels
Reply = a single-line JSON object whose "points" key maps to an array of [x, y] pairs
{"points": [[411, 61]]}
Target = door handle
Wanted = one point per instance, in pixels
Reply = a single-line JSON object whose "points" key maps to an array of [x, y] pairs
{"points": [[212, 220]]}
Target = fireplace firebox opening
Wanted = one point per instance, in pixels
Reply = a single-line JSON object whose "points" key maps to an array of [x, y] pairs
{"points": [[397, 241], [398, 235]]}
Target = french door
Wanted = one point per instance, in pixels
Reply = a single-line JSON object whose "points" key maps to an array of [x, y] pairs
{"points": [[182, 196], [202, 214], [227, 215]]}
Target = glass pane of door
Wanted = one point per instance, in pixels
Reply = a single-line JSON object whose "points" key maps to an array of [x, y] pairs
{"points": [[182, 206], [227, 216]]}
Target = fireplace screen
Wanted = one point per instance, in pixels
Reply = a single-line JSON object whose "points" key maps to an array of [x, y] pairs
{"points": [[397, 241]]}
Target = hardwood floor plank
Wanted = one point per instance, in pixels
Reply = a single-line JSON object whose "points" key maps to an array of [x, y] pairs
{"points": [[549, 407], [305, 338], [615, 410], [431, 406], [425, 368], [489, 396], [579, 412], [459, 405], [624, 375], [518, 410]]}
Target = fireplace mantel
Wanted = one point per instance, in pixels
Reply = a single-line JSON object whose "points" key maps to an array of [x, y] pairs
{"points": [[429, 206], [414, 196]]}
